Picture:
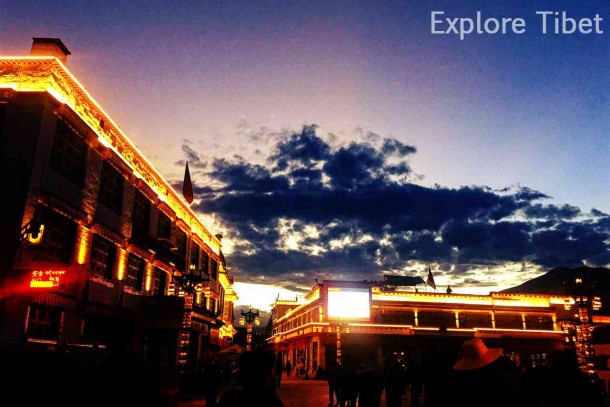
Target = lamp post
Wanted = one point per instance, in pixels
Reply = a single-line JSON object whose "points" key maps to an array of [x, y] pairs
{"points": [[247, 318]]}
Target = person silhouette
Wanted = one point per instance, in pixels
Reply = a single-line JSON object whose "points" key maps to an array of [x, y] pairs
{"points": [[212, 380], [394, 382], [576, 387], [477, 378], [347, 384], [124, 363], [332, 376], [255, 382], [288, 368], [370, 383], [279, 369]]}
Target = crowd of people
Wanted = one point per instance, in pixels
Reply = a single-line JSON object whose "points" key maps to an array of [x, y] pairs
{"points": [[478, 376]]}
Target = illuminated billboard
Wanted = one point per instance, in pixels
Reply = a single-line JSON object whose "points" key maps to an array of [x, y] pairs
{"points": [[349, 303]]}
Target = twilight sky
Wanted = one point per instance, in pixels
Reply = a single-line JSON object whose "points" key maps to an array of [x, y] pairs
{"points": [[342, 139]]}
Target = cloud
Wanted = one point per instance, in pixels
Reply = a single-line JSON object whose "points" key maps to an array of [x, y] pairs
{"points": [[192, 157], [552, 211], [304, 149], [317, 208]]}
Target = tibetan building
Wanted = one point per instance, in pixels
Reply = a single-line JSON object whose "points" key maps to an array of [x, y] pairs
{"points": [[355, 321], [89, 227]]}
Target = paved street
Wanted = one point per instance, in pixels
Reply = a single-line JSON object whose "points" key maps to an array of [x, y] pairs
{"points": [[312, 393], [303, 393], [297, 392]]}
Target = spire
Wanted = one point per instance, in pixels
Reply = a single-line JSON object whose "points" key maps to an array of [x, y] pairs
{"points": [[187, 186]]}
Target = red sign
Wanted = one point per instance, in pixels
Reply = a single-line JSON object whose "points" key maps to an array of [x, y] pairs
{"points": [[46, 278]]}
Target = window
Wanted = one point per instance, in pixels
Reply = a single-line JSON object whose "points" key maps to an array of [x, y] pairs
{"points": [[103, 254], [111, 188], [58, 238], [181, 243], [159, 282], [475, 320], [164, 226], [214, 270], [94, 328], [43, 322], [205, 261], [405, 318], [141, 214], [510, 321], [194, 261], [434, 318], [221, 299], [539, 322], [135, 272], [69, 154]]}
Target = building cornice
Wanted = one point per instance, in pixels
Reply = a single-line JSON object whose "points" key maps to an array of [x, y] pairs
{"points": [[48, 74]]}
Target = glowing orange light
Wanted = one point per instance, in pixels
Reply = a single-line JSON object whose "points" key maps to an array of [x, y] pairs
{"points": [[38, 238], [121, 265], [83, 246]]}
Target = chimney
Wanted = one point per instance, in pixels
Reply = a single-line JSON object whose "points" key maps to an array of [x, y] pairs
{"points": [[50, 47]]}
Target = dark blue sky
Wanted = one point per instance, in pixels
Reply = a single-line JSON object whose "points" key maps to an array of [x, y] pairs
{"points": [[224, 78]]}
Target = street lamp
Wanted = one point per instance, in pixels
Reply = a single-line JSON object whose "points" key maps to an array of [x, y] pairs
{"points": [[247, 318]]}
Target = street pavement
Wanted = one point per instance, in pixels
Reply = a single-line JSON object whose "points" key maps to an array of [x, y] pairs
{"points": [[299, 392]]}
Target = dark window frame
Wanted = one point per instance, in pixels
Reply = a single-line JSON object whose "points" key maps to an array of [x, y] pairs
{"points": [[69, 154], [136, 267], [159, 282], [214, 269], [95, 328], [140, 214], [508, 321], [43, 322], [205, 263], [539, 322], [112, 185], [181, 242], [58, 239], [475, 320], [194, 257], [103, 256], [436, 319], [164, 226]]}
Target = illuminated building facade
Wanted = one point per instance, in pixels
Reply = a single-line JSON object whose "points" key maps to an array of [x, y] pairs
{"points": [[90, 226], [579, 330], [337, 321]]}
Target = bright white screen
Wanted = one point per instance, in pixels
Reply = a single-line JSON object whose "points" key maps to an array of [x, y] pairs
{"points": [[348, 303]]}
